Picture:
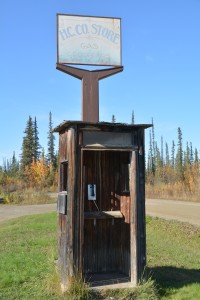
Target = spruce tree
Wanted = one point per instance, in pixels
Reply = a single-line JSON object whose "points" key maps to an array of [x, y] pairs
{"points": [[173, 155], [167, 160], [158, 159], [179, 156], [36, 144], [151, 157], [187, 156], [162, 153], [14, 166], [27, 154], [153, 148], [51, 158], [196, 156], [113, 119], [132, 117], [191, 154], [4, 165]]}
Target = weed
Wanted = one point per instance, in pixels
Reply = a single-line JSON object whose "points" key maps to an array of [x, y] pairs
{"points": [[26, 197], [148, 290], [175, 191]]}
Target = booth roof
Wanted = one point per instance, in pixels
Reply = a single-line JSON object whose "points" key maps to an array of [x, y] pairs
{"points": [[66, 124]]}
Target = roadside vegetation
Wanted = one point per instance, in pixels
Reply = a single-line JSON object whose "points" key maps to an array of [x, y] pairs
{"points": [[172, 173], [28, 255], [28, 197], [28, 180]]}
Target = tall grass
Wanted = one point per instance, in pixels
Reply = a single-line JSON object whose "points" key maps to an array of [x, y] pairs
{"points": [[27, 196], [174, 191]]}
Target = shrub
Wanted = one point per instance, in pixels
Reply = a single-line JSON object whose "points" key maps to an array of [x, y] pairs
{"points": [[27, 197]]}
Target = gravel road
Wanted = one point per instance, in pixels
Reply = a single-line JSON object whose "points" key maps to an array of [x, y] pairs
{"points": [[8, 212], [174, 210], [166, 209]]}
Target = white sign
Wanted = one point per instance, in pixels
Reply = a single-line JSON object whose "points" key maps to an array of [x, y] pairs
{"points": [[88, 40]]}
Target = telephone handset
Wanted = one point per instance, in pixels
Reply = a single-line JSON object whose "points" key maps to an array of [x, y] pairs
{"points": [[91, 191]]}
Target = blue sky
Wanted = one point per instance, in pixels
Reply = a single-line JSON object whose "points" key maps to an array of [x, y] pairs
{"points": [[160, 55]]}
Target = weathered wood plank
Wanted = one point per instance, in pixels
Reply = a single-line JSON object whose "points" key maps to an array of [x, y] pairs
{"points": [[141, 243], [103, 214], [133, 219]]}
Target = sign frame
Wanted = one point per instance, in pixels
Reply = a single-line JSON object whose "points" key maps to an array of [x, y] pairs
{"points": [[74, 35]]}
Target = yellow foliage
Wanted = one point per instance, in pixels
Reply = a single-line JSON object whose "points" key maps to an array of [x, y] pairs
{"points": [[37, 172]]}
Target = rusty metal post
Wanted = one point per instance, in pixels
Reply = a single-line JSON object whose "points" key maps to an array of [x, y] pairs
{"points": [[90, 88]]}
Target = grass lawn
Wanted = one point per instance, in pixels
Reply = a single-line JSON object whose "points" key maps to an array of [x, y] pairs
{"points": [[173, 258], [28, 250]]}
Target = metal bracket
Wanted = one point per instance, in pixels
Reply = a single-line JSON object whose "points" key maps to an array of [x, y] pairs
{"points": [[90, 88]]}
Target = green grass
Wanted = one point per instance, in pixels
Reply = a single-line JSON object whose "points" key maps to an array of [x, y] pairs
{"points": [[173, 253], [27, 245], [28, 251]]}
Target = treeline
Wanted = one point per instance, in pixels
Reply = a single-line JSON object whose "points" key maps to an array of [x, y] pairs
{"points": [[172, 171], [34, 168]]}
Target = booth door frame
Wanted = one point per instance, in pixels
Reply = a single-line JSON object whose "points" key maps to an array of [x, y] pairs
{"points": [[134, 198]]}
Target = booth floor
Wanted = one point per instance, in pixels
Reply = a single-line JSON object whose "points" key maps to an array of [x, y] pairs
{"points": [[108, 281]]}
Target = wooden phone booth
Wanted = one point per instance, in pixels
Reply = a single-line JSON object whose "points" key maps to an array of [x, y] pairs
{"points": [[101, 201]]}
